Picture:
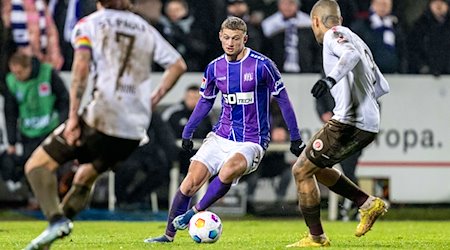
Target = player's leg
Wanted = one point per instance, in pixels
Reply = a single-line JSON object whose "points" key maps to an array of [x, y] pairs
{"points": [[233, 168], [349, 168], [40, 172], [309, 202], [77, 197], [334, 143], [243, 158], [196, 177]]}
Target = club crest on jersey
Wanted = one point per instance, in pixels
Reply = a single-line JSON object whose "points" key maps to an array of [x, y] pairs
{"points": [[317, 145], [248, 77], [44, 89]]}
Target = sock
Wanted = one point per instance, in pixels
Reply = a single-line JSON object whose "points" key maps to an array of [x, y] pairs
{"points": [[312, 219], [44, 184], [216, 190], [179, 206], [368, 203], [346, 188], [75, 200]]}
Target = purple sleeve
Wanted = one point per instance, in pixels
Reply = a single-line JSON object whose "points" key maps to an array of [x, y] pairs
{"points": [[200, 112], [288, 114]]}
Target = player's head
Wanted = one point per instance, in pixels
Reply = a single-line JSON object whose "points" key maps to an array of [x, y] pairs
{"points": [[233, 36], [115, 4], [20, 66], [325, 14]]}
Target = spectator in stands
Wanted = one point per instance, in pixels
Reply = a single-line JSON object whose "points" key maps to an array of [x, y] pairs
{"points": [[184, 33], [36, 102], [239, 8], [148, 166], [291, 42], [10, 173], [274, 166], [33, 30], [150, 10], [177, 116], [66, 13], [384, 36], [429, 42]]}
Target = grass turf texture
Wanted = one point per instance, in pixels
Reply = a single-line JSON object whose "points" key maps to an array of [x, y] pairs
{"points": [[237, 234]]}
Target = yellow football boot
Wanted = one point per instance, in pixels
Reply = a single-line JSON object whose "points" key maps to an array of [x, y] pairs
{"points": [[369, 216], [308, 241]]}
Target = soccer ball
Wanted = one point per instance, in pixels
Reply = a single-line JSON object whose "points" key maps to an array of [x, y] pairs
{"points": [[205, 227]]}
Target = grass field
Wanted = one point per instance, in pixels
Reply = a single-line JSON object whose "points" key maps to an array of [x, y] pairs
{"points": [[237, 234]]}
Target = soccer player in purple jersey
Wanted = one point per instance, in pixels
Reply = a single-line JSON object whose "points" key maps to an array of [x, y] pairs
{"points": [[247, 80]]}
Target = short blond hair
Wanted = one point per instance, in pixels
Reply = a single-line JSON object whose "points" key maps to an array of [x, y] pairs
{"points": [[234, 23]]}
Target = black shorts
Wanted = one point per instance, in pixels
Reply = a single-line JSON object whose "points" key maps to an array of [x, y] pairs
{"points": [[102, 150], [335, 142]]}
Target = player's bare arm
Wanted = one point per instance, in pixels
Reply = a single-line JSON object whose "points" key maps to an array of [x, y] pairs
{"points": [[169, 78], [80, 72]]}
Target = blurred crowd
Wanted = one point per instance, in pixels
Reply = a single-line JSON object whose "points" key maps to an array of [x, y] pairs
{"points": [[406, 37]]}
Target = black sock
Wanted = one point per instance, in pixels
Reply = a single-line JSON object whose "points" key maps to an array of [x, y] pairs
{"points": [[312, 219], [346, 188]]}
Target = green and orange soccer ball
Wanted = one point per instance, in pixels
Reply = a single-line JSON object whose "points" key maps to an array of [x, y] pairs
{"points": [[205, 227]]}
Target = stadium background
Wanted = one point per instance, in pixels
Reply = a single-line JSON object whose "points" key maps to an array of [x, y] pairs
{"points": [[409, 164]]}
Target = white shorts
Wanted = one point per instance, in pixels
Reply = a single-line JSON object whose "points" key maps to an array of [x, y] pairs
{"points": [[215, 151]]}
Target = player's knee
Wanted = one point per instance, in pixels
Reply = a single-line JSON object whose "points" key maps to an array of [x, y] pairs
{"points": [[191, 185], [39, 158], [301, 169], [233, 169]]}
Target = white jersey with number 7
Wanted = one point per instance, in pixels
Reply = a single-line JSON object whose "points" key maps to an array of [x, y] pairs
{"points": [[123, 47]]}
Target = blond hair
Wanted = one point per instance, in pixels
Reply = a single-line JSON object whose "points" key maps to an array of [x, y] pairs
{"points": [[234, 23]]}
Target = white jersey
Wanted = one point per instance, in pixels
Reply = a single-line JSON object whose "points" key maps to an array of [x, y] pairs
{"points": [[123, 47], [348, 60]]}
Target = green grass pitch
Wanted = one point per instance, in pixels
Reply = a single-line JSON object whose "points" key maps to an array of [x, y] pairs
{"points": [[237, 234]]}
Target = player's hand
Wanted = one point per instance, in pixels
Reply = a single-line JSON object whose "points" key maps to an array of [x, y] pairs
{"points": [[72, 132], [187, 145], [322, 86], [297, 147]]}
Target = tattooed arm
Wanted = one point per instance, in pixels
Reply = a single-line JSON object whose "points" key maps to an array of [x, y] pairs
{"points": [[80, 72]]}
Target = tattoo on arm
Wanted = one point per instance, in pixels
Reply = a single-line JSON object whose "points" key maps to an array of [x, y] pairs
{"points": [[80, 72]]}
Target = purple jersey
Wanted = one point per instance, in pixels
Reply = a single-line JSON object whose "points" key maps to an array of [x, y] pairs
{"points": [[246, 87]]}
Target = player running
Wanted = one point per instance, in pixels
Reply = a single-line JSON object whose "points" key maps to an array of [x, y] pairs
{"points": [[355, 83], [115, 48], [237, 144]]}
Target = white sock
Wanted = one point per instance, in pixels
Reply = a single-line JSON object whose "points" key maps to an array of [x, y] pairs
{"points": [[368, 203]]}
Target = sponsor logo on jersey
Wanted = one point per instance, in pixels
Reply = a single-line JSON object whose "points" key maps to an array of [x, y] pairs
{"points": [[203, 85], [44, 89], [221, 78], [317, 145], [243, 98], [37, 122]]}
